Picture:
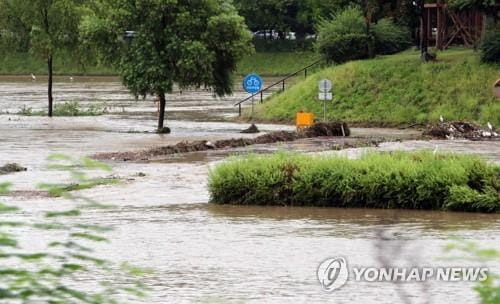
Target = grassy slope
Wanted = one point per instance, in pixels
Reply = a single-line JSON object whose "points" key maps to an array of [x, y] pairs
{"points": [[276, 64], [396, 90], [266, 64]]}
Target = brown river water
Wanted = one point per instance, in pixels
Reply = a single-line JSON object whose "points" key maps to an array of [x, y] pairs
{"points": [[202, 253]]}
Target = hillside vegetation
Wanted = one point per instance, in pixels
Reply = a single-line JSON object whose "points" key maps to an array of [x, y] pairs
{"points": [[397, 90]]}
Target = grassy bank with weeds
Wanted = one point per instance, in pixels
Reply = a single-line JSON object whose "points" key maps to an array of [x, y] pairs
{"points": [[399, 180], [266, 64], [397, 90], [25, 64]]}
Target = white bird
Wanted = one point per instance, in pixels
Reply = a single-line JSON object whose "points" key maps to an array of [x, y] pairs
{"points": [[441, 119], [71, 79], [210, 145], [490, 126], [33, 77]]}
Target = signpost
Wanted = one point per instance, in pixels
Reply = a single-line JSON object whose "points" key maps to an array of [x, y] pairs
{"points": [[252, 84], [325, 93]]}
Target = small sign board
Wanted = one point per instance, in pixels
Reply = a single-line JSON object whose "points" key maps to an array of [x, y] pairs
{"points": [[325, 86], [325, 96], [252, 83]]}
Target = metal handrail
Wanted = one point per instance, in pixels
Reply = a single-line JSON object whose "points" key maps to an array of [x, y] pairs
{"points": [[261, 92]]}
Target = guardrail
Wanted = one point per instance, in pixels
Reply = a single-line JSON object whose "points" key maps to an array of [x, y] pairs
{"points": [[281, 81]]}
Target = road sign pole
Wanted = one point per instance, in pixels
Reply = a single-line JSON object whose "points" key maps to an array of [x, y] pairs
{"points": [[252, 109], [325, 87], [324, 110]]}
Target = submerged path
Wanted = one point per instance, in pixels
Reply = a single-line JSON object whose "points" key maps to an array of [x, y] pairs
{"points": [[206, 253]]}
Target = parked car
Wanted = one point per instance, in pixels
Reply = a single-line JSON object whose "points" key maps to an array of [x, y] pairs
{"points": [[273, 34], [266, 34]]}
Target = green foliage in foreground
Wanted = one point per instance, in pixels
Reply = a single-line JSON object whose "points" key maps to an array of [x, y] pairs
{"points": [[53, 273], [488, 290], [390, 180], [396, 90]]}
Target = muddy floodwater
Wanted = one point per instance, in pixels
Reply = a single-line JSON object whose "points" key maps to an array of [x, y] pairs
{"points": [[202, 253]]}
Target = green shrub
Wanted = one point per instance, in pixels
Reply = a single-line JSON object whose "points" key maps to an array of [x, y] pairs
{"points": [[344, 37], [71, 108], [490, 46], [390, 38], [384, 180]]}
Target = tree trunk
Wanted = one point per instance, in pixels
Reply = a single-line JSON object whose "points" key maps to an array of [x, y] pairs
{"points": [[424, 38], [51, 99], [367, 13], [370, 46], [161, 115]]}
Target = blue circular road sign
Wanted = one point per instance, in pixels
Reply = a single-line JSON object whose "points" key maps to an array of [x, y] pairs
{"points": [[252, 83]]}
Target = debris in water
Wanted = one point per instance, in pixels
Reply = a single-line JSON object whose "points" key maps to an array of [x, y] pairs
{"points": [[11, 168], [317, 130], [460, 129], [165, 130], [328, 129], [251, 130]]}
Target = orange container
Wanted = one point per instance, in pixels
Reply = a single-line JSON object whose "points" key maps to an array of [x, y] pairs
{"points": [[304, 120]]}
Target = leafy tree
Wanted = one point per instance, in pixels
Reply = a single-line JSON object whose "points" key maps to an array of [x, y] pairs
{"points": [[53, 27], [347, 36], [470, 4], [299, 16], [14, 35], [490, 46], [184, 42], [302, 16], [343, 37], [389, 37]]}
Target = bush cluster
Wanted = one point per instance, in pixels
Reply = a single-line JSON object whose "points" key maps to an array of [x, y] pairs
{"points": [[490, 46], [390, 38], [398, 180], [345, 37]]}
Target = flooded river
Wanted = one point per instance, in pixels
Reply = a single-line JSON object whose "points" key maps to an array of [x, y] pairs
{"points": [[203, 253]]}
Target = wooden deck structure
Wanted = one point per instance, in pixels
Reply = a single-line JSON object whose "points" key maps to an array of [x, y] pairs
{"points": [[444, 27]]}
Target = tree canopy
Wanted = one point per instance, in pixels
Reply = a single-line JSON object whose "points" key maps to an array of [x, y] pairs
{"points": [[186, 43], [302, 16], [52, 26]]}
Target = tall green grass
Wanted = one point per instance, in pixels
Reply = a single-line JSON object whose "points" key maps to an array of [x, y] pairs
{"points": [[398, 180], [397, 90]]}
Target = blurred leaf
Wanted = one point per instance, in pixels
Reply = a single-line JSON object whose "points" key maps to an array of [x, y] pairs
{"points": [[90, 237], [69, 213]]}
